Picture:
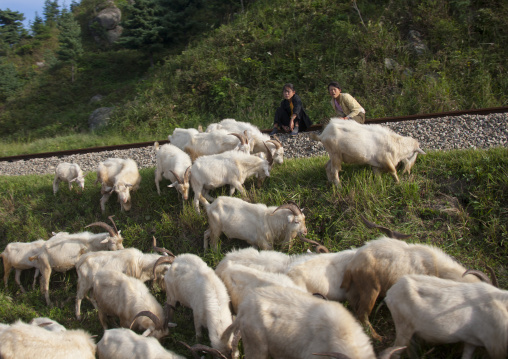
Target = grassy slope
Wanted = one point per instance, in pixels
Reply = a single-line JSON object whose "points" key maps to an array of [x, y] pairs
{"points": [[238, 69], [454, 200]]}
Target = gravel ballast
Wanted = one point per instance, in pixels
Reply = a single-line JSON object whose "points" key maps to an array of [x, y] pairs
{"points": [[445, 133]]}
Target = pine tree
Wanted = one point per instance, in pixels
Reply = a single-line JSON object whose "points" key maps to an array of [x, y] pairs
{"points": [[142, 29], [37, 27], [51, 12], [70, 49], [11, 28]]}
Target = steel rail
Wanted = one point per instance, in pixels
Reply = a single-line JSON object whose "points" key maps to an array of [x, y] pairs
{"points": [[481, 111]]}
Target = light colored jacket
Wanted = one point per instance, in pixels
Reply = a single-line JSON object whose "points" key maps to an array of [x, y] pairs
{"points": [[350, 106]]}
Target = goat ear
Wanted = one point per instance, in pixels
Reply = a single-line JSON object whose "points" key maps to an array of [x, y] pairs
{"points": [[105, 241], [172, 325], [147, 332], [74, 180], [173, 184], [291, 218]]}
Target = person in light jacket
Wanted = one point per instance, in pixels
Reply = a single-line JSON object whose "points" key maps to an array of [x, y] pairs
{"points": [[344, 104]]}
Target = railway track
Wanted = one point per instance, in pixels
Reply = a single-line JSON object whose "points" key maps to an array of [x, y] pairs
{"points": [[482, 111]]}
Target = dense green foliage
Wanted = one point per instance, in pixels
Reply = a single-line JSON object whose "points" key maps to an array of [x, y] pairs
{"points": [[454, 200], [396, 57]]}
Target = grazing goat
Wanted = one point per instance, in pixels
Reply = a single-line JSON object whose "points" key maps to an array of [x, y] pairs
{"points": [[174, 165], [380, 263], [375, 145], [205, 144], [268, 261], [257, 139], [21, 340], [181, 136], [62, 251], [16, 255], [120, 176], [281, 322], [48, 324], [68, 172], [128, 298], [190, 282], [445, 311], [322, 273], [130, 261], [259, 225], [228, 168], [121, 343], [239, 280]]}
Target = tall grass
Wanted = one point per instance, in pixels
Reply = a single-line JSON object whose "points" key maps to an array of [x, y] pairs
{"points": [[454, 200]]}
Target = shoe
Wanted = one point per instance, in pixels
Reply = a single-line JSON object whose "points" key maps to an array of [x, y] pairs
{"points": [[274, 131], [294, 132]]}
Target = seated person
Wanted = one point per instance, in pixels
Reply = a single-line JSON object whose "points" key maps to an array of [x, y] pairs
{"points": [[290, 115], [345, 105]]}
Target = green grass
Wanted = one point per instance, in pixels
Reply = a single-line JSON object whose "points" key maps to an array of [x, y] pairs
{"points": [[454, 200]]}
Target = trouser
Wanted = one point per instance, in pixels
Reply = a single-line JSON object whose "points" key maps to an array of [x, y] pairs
{"points": [[282, 118]]}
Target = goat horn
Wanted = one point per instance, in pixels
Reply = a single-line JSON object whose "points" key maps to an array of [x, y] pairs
{"points": [[236, 339], [269, 156], [388, 352], [147, 313], [387, 231], [319, 247], [177, 177], [114, 225], [333, 355], [276, 143], [319, 295], [240, 137], [164, 259], [161, 250], [106, 226], [44, 324], [187, 174], [198, 347], [483, 277], [493, 275], [292, 206]]}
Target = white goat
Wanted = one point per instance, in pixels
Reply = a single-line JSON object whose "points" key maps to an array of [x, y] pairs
{"points": [[121, 343], [48, 324], [281, 322], [205, 144], [376, 145], [193, 284], [118, 175], [445, 311], [181, 136], [174, 165], [257, 224], [21, 340], [68, 172], [239, 280], [130, 261], [62, 251], [16, 255], [228, 168], [269, 261], [380, 263], [128, 298], [257, 139], [322, 273]]}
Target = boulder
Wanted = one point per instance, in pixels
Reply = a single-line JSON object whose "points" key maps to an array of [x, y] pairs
{"points": [[105, 27], [99, 117]]}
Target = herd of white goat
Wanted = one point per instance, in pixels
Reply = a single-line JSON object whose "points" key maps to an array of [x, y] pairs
{"points": [[279, 306]]}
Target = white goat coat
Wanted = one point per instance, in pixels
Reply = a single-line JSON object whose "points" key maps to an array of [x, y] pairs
{"points": [[193, 284], [322, 273], [254, 223], [269, 261], [281, 322], [21, 340], [445, 311], [171, 158], [376, 145], [15, 255], [123, 343], [68, 172]]}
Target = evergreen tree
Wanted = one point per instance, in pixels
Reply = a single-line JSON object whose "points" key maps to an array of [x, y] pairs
{"points": [[11, 28], [51, 12], [9, 80], [69, 39], [37, 27], [180, 19], [142, 30]]}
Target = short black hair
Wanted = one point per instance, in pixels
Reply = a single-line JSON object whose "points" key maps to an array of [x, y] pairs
{"points": [[335, 84], [288, 85]]}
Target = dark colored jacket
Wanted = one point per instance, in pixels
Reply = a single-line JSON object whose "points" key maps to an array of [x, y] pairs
{"points": [[305, 121]]}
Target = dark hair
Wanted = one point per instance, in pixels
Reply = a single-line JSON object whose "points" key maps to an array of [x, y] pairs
{"points": [[288, 85], [335, 84]]}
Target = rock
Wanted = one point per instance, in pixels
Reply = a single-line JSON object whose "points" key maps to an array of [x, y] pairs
{"points": [[96, 98], [99, 117], [105, 27]]}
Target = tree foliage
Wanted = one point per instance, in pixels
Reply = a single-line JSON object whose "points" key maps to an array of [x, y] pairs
{"points": [[51, 12], [11, 27], [70, 47]]}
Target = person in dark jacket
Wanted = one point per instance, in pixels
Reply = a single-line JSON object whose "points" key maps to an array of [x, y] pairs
{"points": [[290, 115]]}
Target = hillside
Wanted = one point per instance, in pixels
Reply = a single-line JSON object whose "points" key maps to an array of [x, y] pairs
{"points": [[396, 57]]}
